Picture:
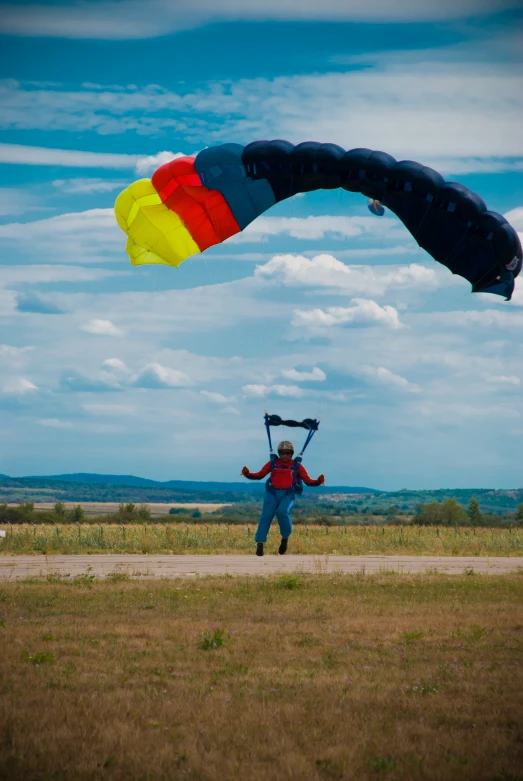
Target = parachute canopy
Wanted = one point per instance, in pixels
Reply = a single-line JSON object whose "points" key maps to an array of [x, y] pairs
{"points": [[192, 203], [311, 424]]}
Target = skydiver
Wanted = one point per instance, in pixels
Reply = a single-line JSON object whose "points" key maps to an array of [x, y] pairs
{"points": [[280, 494]]}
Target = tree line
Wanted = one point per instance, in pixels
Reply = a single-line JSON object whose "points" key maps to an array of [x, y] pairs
{"points": [[446, 513]]}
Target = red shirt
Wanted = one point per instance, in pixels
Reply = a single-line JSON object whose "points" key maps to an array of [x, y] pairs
{"points": [[282, 474]]}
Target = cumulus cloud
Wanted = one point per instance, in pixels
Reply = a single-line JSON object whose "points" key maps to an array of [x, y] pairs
{"points": [[101, 328], [328, 272], [315, 375], [19, 386], [149, 163], [154, 375], [115, 365], [259, 391], [218, 398], [515, 217], [386, 377], [362, 312], [75, 381]]}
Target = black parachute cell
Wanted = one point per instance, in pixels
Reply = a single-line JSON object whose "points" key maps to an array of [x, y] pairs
{"points": [[448, 220], [308, 423]]}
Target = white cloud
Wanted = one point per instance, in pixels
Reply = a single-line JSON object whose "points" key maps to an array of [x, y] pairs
{"points": [[231, 410], [36, 155], [154, 375], [88, 236], [259, 391], [13, 352], [509, 318], [146, 165], [55, 423], [413, 110], [363, 312], [326, 271], [47, 274], [14, 200], [453, 166], [219, 398], [74, 381], [101, 328], [316, 227], [517, 296], [88, 186], [115, 365], [503, 379], [386, 377], [19, 386], [109, 409], [133, 19], [316, 375], [515, 217]]}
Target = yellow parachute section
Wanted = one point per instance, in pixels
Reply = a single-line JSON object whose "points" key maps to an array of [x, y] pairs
{"points": [[156, 234]]}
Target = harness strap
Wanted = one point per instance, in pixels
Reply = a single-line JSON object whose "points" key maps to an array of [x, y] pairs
{"points": [[297, 464]]}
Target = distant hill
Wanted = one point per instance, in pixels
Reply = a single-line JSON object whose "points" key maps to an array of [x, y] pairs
{"points": [[178, 485], [85, 487]]}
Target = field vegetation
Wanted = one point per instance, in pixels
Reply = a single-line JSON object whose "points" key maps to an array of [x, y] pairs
{"points": [[82, 488], [312, 678], [327, 512], [203, 538]]}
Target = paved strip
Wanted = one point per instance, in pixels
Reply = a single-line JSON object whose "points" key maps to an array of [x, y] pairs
{"points": [[140, 566]]}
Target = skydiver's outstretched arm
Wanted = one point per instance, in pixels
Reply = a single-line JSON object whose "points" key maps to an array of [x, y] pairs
{"points": [[264, 471], [303, 475]]}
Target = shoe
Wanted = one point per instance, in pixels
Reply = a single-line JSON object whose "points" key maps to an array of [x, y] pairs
{"points": [[259, 549], [283, 547]]}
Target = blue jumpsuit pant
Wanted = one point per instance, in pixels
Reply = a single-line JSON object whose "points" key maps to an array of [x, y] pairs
{"points": [[279, 503]]}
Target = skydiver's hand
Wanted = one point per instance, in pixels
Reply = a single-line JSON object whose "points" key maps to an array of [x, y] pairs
{"points": [[321, 479], [245, 471]]}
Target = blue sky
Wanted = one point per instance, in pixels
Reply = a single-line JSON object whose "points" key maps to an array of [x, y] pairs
{"points": [[318, 308]]}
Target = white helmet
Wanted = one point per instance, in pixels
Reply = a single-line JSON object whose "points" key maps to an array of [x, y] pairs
{"points": [[285, 445]]}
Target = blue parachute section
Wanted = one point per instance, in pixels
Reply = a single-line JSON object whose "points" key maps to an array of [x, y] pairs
{"points": [[221, 168], [447, 219]]}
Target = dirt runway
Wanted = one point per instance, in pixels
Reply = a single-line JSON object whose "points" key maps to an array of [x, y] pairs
{"points": [[145, 566]]}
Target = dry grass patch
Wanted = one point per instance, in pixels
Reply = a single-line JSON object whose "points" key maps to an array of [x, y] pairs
{"points": [[298, 677], [204, 538]]}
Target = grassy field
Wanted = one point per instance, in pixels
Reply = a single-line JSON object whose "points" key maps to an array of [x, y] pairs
{"points": [[307, 678], [219, 538]]}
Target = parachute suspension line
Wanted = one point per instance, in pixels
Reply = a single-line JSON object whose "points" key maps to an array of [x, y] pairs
{"points": [[454, 248], [268, 427], [275, 420], [420, 226], [487, 272], [310, 435]]}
